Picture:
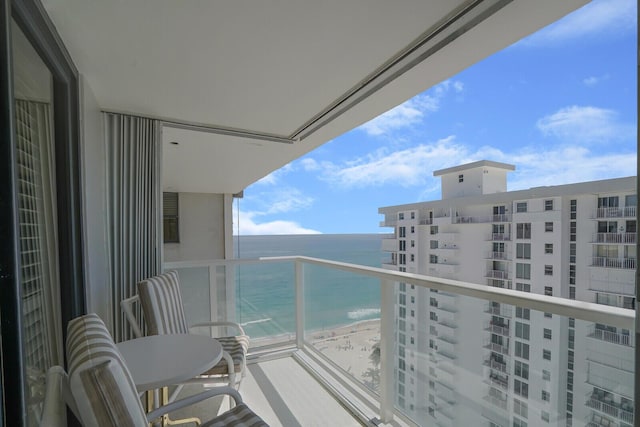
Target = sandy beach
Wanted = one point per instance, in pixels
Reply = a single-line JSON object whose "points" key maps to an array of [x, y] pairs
{"points": [[349, 346]]}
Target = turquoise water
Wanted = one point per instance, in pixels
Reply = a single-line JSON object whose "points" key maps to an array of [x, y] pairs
{"points": [[265, 293]]}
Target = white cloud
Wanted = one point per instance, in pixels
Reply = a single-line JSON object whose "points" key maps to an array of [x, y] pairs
{"points": [[594, 80], [598, 18], [277, 202], [268, 180], [409, 167], [248, 226], [585, 125], [309, 164], [565, 165], [411, 112]]}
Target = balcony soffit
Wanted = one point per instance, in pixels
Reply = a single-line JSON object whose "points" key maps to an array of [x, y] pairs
{"points": [[272, 67]]}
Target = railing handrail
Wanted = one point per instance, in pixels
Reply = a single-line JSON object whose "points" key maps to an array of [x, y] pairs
{"points": [[591, 312]]}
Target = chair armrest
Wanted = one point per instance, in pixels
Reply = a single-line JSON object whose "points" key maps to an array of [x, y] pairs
{"points": [[190, 400], [232, 324]]}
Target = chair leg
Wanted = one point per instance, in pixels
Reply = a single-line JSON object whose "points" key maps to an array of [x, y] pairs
{"points": [[166, 421]]}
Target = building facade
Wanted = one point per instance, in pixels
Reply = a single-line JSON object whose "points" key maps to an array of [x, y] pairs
{"points": [[519, 367]]}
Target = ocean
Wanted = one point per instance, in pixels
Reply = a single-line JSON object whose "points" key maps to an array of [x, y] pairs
{"points": [[265, 293]]}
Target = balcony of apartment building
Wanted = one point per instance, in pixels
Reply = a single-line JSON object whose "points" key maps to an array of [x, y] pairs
{"points": [[498, 256], [615, 212], [611, 335], [497, 274], [610, 262], [620, 238], [499, 237], [496, 362], [390, 243], [610, 405], [333, 364], [498, 328], [481, 219]]}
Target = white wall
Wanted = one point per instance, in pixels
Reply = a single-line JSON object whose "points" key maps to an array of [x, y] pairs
{"points": [[202, 228], [94, 206]]}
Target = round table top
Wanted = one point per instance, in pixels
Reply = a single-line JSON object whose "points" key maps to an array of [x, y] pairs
{"points": [[160, 360]]}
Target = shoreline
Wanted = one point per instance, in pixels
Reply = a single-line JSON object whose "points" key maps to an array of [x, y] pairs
{"points": [[349, 346]]}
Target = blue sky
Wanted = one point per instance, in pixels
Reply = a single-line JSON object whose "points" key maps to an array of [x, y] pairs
{"points": [[561, 105]]}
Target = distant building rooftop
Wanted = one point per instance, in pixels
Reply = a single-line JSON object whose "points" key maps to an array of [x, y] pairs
{"points": [[473, 165]]}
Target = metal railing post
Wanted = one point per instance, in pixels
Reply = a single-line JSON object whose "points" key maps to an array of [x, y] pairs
{"points": [[299, 272], [386, 350]]}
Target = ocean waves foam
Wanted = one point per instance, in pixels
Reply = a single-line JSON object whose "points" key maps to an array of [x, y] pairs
{"points": [[268, 319], [362, 313]]}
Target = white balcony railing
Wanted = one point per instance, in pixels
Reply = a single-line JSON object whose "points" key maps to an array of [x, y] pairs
{"points": [[617, 212], [497, 274], [220, 280], [482, 219], [610, 408], [625, 263], [622, 238], [499, 237], [612, 337]]}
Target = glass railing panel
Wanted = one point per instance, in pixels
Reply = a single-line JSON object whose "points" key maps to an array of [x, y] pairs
{"points": [[196, 293], [495, 364], [265, 301], [342, 321]]}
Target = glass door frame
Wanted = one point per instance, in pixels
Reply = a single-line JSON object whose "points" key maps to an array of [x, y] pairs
{"points": [[33, 20]]}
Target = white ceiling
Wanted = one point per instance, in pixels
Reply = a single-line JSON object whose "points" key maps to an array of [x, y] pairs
{"points": [[270, 67]]}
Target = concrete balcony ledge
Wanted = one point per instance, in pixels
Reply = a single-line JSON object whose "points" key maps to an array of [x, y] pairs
{"points": [[611, 337], [623, 238]]}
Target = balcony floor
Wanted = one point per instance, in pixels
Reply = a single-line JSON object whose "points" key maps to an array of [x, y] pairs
{"points": [[284, 393]]}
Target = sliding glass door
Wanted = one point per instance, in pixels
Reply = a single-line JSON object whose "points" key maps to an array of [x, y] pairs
{"points": [[41, 275]]}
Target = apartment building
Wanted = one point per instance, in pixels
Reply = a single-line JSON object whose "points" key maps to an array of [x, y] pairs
{"points": [[526, 368]]}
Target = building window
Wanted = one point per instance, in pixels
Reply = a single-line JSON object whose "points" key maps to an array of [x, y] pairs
{"points": [[548, 270], [401, 215], [545, 416], [608, 202], [413, 243], [546, 375], [546, 396], [402, 299], [519, 423], [523, 271], [522, 330], [460, 178], [170, 224], [548, 315], [413, 257], [548, 291], [548, 205], [523, 313], [524, 287], [413, 215], [402, 245], [433, 229], [523, 250], [402, 231], [548, 248], [433, 244], [413, 229], [520, 408], [433, 259], [521, 370], [548, 226], [521, 207], [523, 230], [521, 388], [433, 316], [546, 354], [547, 333], [522, 350]]}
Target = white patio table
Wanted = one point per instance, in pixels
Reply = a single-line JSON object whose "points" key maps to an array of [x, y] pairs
{"points": [[158, 361]]}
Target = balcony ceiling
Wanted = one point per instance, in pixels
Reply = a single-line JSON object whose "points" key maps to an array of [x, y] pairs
{"points": [[288, 74]]}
